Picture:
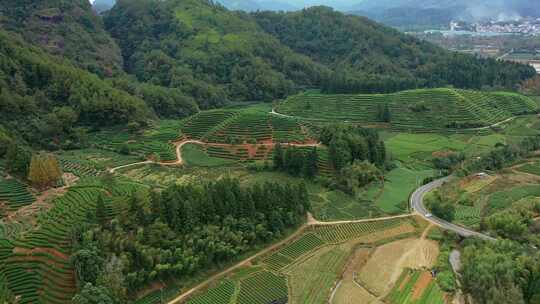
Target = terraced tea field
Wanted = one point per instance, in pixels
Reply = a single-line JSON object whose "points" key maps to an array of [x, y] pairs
{"points": [[262, 288], [531, 168], [215, 154], [220, 294], [14, 195], [37, 264], [426, 110], [92, 161], [244, 126], [477, 199], [154, 141], [78, 169]]}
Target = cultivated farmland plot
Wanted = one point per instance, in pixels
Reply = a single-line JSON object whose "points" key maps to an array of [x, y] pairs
{"points": [[304, 270], [416, 287], [153, 142]]}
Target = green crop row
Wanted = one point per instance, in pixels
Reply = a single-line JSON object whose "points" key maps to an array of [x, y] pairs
{"points": [[15, 194]]}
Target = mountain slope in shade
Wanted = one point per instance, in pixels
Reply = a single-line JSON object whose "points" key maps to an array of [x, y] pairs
{"points": [[66, 28]]}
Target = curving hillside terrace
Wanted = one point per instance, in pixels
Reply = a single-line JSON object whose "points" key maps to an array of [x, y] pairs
{"points": [[415, 110], [243, 126]]}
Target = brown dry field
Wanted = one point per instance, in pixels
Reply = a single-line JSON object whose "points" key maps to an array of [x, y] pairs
{"points": [[388, 261], [350, 292]]}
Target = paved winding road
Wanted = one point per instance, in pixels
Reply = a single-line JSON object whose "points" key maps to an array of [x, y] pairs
{"points": [[417, 204]]}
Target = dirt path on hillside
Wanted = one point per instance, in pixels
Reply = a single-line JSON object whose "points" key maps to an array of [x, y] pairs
{"points": [[38, 250], [180, 161], [315, 222]]}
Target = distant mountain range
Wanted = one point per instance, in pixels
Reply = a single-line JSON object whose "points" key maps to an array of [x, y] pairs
{"points": [[392, 12], [405, 12], [258, 5], [435, 12]]}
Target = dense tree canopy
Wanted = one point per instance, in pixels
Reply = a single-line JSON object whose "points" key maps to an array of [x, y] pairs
{"points": [[349, 143], [180, 231], [501, 272], [43, 97], [206, 51], [367, 57]]}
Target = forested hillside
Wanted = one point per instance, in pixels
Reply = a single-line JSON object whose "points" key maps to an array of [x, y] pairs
{"points": [[45, 97], [206, 51], [65, 28], [368, 57]]}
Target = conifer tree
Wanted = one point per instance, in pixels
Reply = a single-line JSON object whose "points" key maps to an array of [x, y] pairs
{"points": [[101, 215], [386, 116], [278, 156], [310, 164]]}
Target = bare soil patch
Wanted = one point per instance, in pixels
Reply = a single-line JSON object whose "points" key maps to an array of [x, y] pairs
{"points": [[33, 251], [423, 282], [388, 261]]}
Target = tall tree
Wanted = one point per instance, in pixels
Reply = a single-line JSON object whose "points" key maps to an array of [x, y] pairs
{"points": [[310, 165], [278, 156], [44, 170], [91, 294], [18, 159], [101, 214]]}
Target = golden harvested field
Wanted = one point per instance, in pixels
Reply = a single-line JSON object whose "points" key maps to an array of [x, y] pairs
{"points": [[350, 292], [388, 261], [423, 254]]}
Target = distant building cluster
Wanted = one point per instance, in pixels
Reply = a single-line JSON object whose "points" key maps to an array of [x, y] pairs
{"points": [[524, 27]]}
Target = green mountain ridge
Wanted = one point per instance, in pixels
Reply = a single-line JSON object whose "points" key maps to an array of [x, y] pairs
{"points": [[207, 51], [370, 58], [169, 58]]}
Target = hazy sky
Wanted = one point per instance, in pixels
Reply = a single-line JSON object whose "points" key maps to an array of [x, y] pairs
{"points": [[305, 3]]}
